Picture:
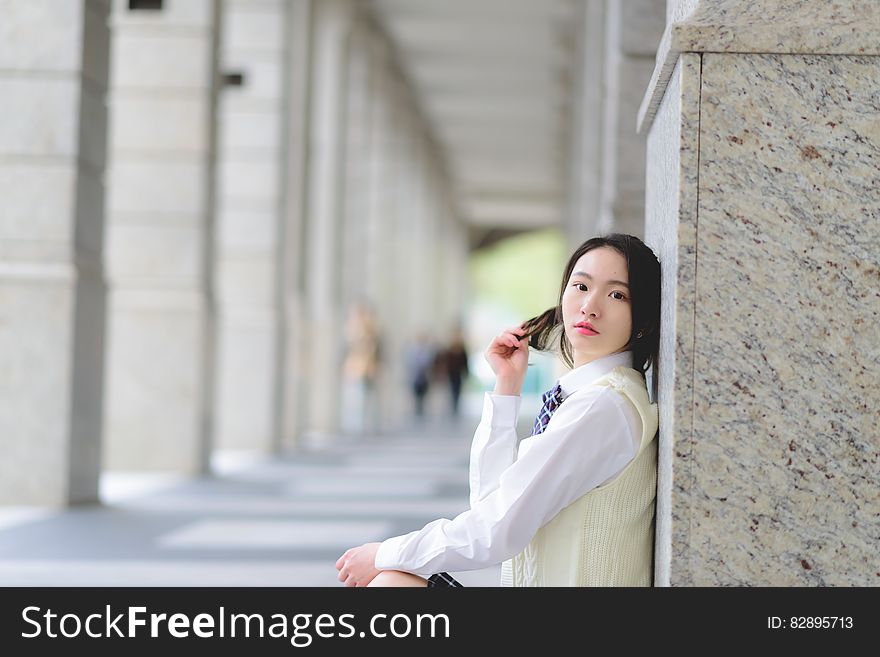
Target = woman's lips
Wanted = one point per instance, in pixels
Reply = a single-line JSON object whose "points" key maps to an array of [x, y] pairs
{"points": [[584, 331]]}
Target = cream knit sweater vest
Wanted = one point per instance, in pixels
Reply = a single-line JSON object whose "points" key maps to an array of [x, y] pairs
{"points": [[605, 537]]}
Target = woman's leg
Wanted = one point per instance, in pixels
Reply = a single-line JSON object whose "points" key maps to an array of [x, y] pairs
{"points": [[397, 578]]}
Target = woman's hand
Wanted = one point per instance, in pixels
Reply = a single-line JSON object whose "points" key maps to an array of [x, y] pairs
{"points": [[357, 567], [508, 355]]}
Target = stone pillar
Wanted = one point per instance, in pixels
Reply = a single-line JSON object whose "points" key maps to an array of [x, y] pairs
{"points": [[377, 247], [358, 412], [453, 251], [332, 23], [459, 255], [423, 301], [249, 212], [634, 28], [355, 202], [763, 197], [616, 51], [53, 81], [293, 347], [389, 239], [160, 236], [406, 290], [587, 130]]}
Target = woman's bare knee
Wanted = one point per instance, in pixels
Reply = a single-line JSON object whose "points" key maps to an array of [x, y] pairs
{"points": [[397, 578]]}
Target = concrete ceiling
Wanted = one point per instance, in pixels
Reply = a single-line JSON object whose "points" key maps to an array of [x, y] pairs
{"points": [[493, 79]]}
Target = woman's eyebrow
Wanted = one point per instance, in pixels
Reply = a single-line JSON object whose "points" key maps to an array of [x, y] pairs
{"points": [[586, 275]]}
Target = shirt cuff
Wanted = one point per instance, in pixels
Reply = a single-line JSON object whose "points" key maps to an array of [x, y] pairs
{"points": [[501, 411], [387, 554], [387, 557]]}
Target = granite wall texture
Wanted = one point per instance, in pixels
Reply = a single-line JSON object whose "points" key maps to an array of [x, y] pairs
{"points": [[769, 238], [785, 335]]}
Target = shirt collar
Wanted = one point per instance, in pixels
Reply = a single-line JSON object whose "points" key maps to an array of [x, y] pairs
{"points": [[586, 374]]}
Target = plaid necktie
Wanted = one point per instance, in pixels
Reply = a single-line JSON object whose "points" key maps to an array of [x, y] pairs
{"points": [[552, 399]]}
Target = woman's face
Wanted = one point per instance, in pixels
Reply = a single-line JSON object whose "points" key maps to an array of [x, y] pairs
{"points": [[597, 292]]}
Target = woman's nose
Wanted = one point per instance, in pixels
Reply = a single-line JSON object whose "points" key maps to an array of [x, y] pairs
{"points": [[589, 307]]}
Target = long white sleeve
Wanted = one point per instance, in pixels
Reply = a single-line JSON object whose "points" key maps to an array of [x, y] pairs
{"points": [[587, 442], [493, 449]]}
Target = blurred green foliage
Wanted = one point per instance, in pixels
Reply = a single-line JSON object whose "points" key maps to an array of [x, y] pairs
{"points": [[522, 273]]}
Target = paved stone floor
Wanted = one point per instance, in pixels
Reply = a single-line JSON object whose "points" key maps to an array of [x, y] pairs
{"points": [[279, 522]]}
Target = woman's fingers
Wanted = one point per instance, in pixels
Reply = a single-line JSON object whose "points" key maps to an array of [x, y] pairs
{"points": [[508, 341], [514, 332]]}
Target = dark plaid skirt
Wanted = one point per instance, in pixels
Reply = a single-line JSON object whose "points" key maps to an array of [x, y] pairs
{"points": [[443, 580]]}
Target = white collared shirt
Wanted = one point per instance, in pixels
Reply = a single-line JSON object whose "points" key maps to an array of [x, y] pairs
{"points": [[588, 441]]}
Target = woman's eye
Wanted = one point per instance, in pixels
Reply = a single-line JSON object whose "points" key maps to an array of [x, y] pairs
{"points": [[580, 285], [621, 297]]}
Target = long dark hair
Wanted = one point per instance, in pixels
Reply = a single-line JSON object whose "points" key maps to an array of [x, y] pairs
{"points": [[546, 331]]}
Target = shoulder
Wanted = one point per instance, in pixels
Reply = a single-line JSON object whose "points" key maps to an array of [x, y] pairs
{"points": [[591, 400], [605, 411]]}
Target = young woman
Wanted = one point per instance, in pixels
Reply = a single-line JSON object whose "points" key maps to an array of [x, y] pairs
{"points": [[573, 505]]}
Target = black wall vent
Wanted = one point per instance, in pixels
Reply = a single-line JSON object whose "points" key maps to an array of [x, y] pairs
{"points": [[233, 79], [145, 5]]}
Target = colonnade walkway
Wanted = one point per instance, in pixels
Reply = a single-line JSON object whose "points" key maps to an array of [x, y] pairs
{"points": [[254, 522]]}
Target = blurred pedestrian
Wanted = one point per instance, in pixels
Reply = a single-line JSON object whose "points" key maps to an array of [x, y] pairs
{"points": [[360, 370], [420, 362], [452, 365]]}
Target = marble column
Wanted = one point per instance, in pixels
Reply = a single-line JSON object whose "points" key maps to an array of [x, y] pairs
{"points": [[332, 23], [408, 291], [53, 80], [452, 251], [388, 240], [358, 414], [377, 247], [616, 51], [633, 29], [585, 150], [253, 56], [423, 301], [160, 236], [293, 347], [763, 201], [355, 202]]}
